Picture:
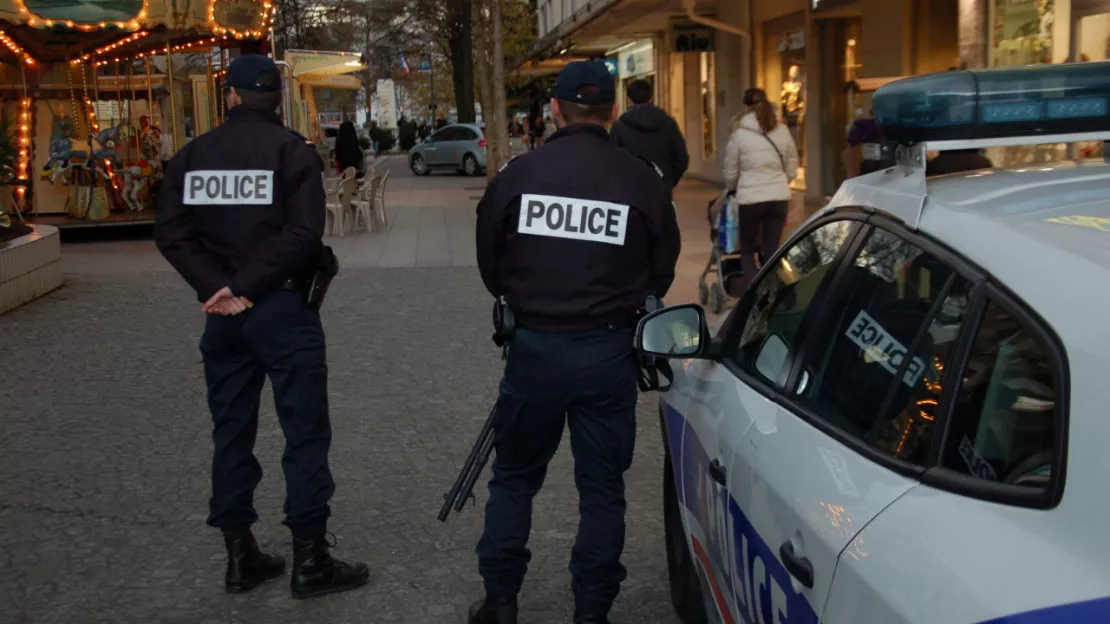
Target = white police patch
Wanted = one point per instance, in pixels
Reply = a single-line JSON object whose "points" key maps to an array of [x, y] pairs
{"points": [[568, 217], [223, 188]]}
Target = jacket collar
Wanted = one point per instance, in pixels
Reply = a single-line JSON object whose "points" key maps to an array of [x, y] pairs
{"points": [[588, 129], [243, 112]]}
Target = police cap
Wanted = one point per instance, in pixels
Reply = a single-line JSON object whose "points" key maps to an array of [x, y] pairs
{"points": [[582, 74], [254, 72]]}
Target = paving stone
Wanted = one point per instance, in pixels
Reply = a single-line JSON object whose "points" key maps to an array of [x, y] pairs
{"points": [[106, 450]]}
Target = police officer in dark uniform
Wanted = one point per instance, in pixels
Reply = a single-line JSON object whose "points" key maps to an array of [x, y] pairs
{"points": [[241, 217], [574, 236]]}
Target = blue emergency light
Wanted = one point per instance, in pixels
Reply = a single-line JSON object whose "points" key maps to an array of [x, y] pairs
{"points": [[996, 103]]}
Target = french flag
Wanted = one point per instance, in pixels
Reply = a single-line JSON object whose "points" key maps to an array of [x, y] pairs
{"points": [[404, 65]]}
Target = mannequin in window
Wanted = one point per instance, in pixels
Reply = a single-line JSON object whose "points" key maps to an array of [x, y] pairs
{"points": [[793, 106], [793, 96]]}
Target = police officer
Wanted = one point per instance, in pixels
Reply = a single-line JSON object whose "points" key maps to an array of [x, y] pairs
{"points": [[241, 217], [574, 236]]}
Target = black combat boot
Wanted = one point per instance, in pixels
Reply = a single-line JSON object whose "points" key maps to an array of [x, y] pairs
{"points": [[493, 610], [247, 565], [316, 572]]}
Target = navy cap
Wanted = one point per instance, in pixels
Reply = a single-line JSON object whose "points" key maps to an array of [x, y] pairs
{"points": [[254, 72], [586, 73]]}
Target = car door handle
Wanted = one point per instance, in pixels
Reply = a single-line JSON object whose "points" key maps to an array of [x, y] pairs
{"points": [[717, 471], [798, 567]]}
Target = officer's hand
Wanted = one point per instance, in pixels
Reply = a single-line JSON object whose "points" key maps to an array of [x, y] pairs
{"points": [[225, 303], [230, 307]]}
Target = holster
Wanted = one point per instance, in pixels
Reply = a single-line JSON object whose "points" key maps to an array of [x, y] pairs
{"points": [[324, 271], [504, 322]]}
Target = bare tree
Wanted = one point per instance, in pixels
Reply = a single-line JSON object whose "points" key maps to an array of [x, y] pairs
{"points": [[489, 67]]}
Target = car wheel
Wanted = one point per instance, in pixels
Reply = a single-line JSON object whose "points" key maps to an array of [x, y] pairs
{"points": [[682, 572], [470, 165], [419, 167]]}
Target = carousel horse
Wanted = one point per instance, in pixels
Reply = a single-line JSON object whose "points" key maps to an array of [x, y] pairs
{"points": [[135, 176], [61, 152], [108, 139]]}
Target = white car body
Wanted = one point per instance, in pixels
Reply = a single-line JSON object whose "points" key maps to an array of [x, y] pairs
{"points": [[888, 544]]}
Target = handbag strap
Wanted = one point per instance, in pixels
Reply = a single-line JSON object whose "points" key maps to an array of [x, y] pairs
{"points": [[782, 161]]}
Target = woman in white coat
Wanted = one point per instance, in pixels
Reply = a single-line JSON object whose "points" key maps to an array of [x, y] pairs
{"points": [[761, 161]]}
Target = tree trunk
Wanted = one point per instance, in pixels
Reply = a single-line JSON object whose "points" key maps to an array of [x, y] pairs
{"points": [[483, 70], [462, 60], [497, 52]]}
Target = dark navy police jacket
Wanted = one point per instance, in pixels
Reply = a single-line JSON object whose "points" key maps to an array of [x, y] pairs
{"points": [[577, 233], [242, 205]]}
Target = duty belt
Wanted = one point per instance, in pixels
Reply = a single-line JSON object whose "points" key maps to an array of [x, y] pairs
{"points": [[294, 284]]}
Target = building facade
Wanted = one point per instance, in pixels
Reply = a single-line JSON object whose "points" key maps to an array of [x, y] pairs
{"points": [[818, 60]]}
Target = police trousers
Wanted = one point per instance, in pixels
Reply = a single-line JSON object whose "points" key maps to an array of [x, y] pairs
{"points": [[586, 381], [283, 339]]}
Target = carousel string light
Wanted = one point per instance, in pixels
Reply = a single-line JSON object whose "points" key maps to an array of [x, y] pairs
{"points": [[177, 48], [24, 143], [112, 46], [15, 48]]}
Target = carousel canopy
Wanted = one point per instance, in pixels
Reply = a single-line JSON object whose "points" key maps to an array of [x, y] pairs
{"points": [[58, 30]]}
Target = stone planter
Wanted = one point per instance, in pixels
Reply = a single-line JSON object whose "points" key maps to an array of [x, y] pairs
{"points": [[30, 267]]}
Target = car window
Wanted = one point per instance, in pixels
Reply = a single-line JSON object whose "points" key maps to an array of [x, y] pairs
{"points": [[466, 134], [772, 309], [446, 134], [876, 367], [1003, 423]]}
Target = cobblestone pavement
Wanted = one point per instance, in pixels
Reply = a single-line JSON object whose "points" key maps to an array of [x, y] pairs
{"points": [[104, 454]]}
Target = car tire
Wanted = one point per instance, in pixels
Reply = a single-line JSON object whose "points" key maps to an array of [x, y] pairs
{"points": [[682, 571], [470, 165], [418, 166]]}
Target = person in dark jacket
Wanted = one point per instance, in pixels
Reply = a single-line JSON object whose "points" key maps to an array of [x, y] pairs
{"points": [[956, 161], [574, 236], [650, 133], [241, 218], [347, 151]]}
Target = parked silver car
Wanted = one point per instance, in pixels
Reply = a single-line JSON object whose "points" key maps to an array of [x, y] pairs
{"points": [[461, 147]]}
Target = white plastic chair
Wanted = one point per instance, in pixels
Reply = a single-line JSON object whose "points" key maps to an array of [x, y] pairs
{"points": [[342, 193], [364, 205], [378, 199]]}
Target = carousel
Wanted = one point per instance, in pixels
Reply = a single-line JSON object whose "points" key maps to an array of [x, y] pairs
{"points": [[97, 95]]}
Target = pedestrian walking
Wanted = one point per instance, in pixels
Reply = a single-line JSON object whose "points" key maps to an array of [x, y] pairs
{"points": [[574, 238], [241, 218], [650, 133], [761, 161]]}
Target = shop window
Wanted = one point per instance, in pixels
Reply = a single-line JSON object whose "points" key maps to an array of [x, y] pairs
{"points": [[784, 53], [708, 104]]}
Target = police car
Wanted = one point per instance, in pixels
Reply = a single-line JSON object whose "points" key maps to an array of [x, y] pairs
{"points": [[904, 419]]}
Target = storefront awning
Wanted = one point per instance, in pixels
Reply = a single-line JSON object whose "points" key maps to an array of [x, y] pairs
{"points": [[332, 82], [546, 67], [315, 63]]}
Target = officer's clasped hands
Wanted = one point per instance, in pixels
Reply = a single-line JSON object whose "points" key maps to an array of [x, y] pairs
{"points": [[225, 303]]}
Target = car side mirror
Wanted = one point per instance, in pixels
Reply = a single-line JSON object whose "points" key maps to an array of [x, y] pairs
{"points": [[674, 332]]}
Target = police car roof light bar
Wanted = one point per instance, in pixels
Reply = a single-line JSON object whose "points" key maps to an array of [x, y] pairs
{"points": [[997, 107]]}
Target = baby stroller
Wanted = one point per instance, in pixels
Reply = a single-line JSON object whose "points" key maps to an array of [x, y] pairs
{"points": [[724, 265]]}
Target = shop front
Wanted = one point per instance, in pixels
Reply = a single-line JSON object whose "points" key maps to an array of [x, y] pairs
{"points": [[635, 61], [1028, 32], [782, 74]]}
